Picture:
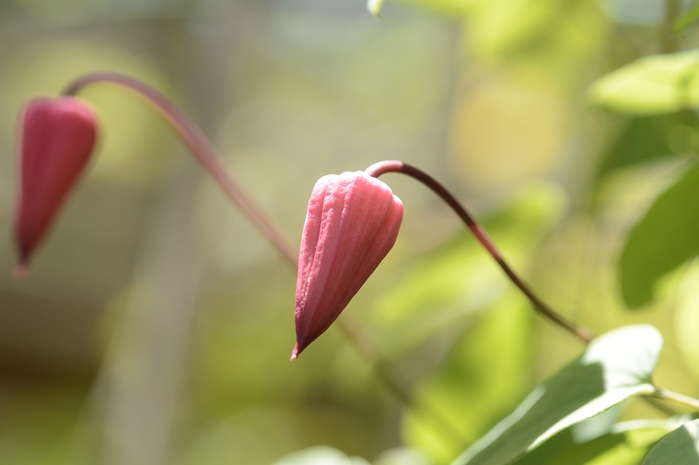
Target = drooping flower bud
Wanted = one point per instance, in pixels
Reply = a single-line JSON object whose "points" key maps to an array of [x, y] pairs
{"points": [[56, 139], [352, 222]]}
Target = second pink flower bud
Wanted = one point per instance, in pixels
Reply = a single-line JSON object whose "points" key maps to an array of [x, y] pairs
{"points": [[57, 137], [352, 222]]}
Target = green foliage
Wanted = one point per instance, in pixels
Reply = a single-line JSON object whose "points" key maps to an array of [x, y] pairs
{"points": [[663, 239], [445, 84], [320, 456], [687, 318], [624, 444], [642, 139], [614, 367], [687, 20], [651, 85], [484, 376], [679, 447], [374, 7]]}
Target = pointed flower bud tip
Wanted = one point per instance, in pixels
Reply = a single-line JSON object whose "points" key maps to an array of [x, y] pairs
{"points": [[352, 222], [56, 140], [294, 353]]}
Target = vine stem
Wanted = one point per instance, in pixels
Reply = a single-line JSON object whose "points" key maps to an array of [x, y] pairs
{"points": [[207, 155], [394, 166], [200, 147], [667, 394]]}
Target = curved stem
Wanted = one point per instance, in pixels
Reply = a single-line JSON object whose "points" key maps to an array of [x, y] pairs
{"points": [[209, 158], [393, 166], [200, 147]]}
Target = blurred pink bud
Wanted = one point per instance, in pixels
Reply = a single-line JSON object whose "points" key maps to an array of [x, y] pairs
{"points": [[57, 137], [352, 222]]}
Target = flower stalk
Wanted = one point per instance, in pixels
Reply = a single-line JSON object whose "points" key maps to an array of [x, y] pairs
{"points": [[199, 146], [393, 166], [204, 152]]}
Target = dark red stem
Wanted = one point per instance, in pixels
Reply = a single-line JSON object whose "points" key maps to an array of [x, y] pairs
{"points": [[392, 166]]}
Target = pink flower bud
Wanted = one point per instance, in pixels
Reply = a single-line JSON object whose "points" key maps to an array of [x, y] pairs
{"points": [[352, 222], [57, 137]]}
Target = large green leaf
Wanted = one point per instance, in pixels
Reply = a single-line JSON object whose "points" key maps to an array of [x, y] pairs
{"points": [[664, 239], [651, 85], [626, 444], [614, 367], [679, 447]]}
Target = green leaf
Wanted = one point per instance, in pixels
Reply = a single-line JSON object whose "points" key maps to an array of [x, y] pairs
{"points": [[485, 365], [687, 318], [664, 239], [320, 455], [614, 367], [642, 139], [679, 447], [374, 7], [626, 444], [686, 20], [651, 85], [400, 456]]}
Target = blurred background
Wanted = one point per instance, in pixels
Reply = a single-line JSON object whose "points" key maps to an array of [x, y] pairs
{"points": [[156, 325]]}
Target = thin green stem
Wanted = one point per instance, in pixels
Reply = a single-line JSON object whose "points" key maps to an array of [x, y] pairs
{"points": [[544, 310], [677, 398]]}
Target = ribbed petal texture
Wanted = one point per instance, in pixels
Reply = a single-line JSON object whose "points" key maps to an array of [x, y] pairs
{"points": [[352, 222], [57, 137]]}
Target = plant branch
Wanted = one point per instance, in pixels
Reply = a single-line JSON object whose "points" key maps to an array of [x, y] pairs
{"points": [[200, 147], [544, 310], [205, 153], [667, 394]]}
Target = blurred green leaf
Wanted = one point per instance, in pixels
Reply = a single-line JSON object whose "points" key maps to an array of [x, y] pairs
{"points": [[320, 455], [652, 85], [626, 445], [614, 367], [521, 31], [679, 447], [642, 139], [664, 239], [400, 456], [374, 7], [686, 20], [687, 319], [491, 362]]}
